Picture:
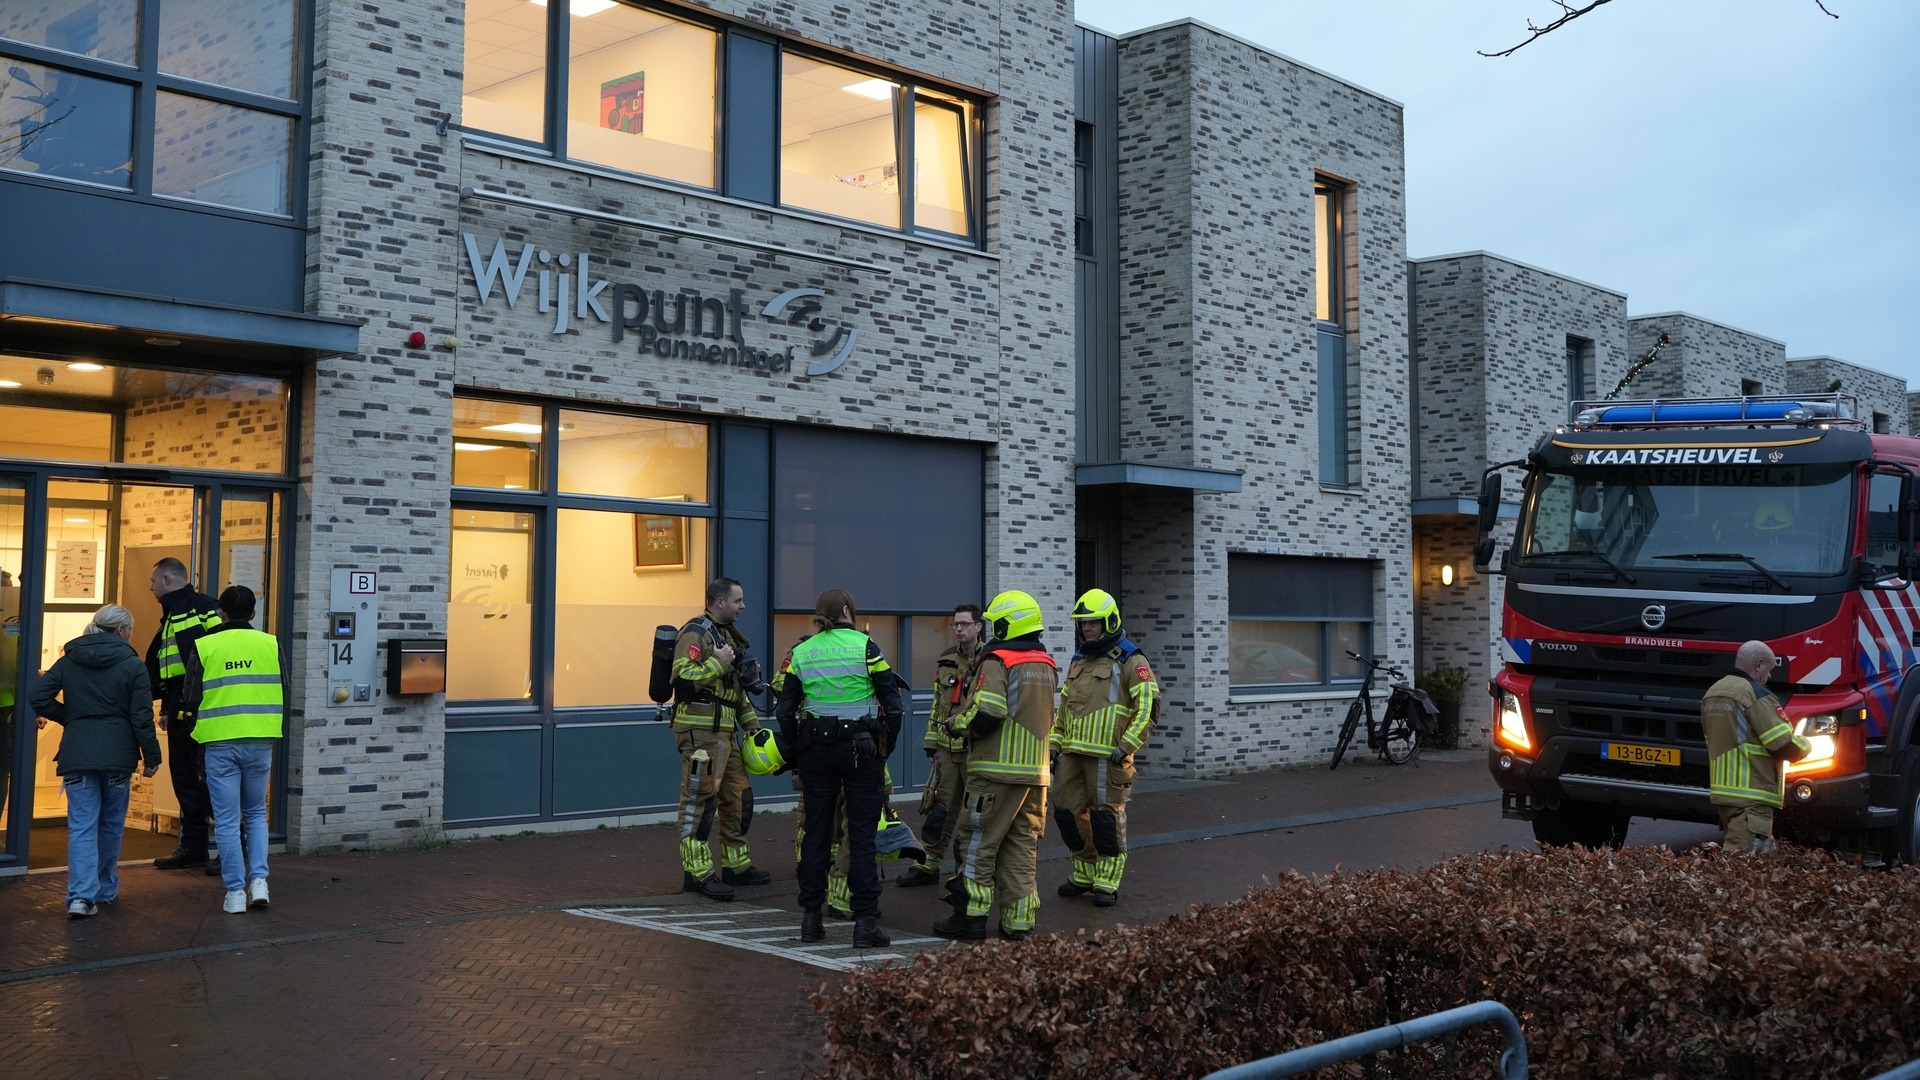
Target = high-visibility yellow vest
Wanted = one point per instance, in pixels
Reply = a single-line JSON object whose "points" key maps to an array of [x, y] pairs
{"points": [[171, 661], [240, 683]]}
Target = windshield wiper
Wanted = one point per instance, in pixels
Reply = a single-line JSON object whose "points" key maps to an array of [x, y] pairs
{"points": [[1730, 556], [1611, 565]]}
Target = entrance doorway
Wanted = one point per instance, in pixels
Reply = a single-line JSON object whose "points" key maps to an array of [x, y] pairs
{"points": [[71, 544]]}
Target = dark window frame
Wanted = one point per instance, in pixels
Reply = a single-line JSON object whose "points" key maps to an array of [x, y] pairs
{"points": [[1334, 391], [147, 81], [1328, 611]]}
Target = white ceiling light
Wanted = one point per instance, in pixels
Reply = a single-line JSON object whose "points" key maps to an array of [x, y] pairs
{"points": [[583, 9], [79, 521], [476, 447], [514, 429], [877, 89], [9, 384], [83, 366]]}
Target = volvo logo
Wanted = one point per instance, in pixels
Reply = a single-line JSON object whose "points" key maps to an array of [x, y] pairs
{"points": [[1653, 616]]}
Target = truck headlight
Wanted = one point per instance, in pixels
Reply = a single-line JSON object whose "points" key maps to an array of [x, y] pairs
{"points": [[1510, 725], [1821, 731]]}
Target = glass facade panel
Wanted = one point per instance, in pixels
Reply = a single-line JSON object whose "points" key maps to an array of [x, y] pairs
{"points": [[222, 154], [932, 635], [605, 595], [490, 611], [61, 123], [1335, 446], [1326, 254], [940, 196], [243, 44], [632, 457], [504, 82], [249, 550], [838, 151], [496, 444], [103, 29], [1273, 653], [12, 692], [640, 93], [72, 411]]}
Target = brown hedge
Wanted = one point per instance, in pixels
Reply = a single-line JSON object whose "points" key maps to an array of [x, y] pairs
{"points": [[1637, 963]]}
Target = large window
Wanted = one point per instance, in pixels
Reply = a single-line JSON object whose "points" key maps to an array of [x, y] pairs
{"points": [[644, 90], [226, 109], [1292, 621], [592, 523], [1331, 317]]}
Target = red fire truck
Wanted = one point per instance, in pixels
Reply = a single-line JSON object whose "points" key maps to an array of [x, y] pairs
{"points": [[1654, 538]]}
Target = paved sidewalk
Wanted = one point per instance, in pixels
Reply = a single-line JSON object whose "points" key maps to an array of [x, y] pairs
{"points": [[469, 960]]}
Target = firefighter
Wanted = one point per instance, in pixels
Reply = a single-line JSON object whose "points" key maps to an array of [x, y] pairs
{"points": [[1747, 739], [1004, 811], [1107, 706], [841, 712], [710, 704], [946, 754]]}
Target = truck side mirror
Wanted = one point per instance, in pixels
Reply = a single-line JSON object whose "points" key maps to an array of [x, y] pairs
{"points": [[1489, 504], [1483, 554]]}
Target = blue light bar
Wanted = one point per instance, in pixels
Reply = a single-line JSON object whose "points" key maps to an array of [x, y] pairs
{"points": [[1704, 413]]}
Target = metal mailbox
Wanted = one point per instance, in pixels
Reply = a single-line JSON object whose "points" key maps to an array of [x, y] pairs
{"points": [[416, 665]]}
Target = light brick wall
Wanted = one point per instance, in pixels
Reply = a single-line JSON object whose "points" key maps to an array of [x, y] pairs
{"points": [[1220, 142], [1703, 359], [975, 346], [1873, 391]]}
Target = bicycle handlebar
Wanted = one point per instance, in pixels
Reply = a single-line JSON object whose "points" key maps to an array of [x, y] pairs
{"points": [[1376, 664]]}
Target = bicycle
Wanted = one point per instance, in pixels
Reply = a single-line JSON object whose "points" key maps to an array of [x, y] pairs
{"points": [[1395, 737]]}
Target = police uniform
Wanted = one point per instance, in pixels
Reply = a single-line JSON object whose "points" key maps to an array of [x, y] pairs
{"points": [[186, 614], [952, 685], [1003, 813], [1106, 706], [709, 706], [1746, 740], [840, 710]]}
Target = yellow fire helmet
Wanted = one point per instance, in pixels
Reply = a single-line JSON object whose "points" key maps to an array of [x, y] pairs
{"points": [[1098, 604], [1013, 614], [762, 755], [1772, 517]]}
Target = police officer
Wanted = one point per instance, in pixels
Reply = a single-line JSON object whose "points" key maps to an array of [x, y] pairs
{"points": [[1004, 811], [946, 754], [710, 703], [841, 711], [1106, 709], [185, 614], [1747, 739], [235, 688]]}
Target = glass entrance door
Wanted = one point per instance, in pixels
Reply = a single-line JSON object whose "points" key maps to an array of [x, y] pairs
{"points": [[15, 721]]}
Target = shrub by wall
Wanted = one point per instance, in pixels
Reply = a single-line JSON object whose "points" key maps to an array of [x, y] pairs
{"points": [[1637, 963]]}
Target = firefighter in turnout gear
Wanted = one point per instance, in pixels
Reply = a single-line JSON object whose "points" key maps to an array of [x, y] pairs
{"points": [[1107, 706], [710, 705], [841, 711], [946, 753], [1747, 739], [1003, 812]]}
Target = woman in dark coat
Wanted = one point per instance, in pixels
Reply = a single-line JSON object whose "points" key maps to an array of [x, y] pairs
{"points": [[98, 692]]}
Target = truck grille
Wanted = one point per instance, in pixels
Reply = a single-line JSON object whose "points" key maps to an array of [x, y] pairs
{"points": [[1594, 765], [1614, 654]]}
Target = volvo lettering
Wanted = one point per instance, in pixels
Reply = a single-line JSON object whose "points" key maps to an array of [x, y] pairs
{"points": [[1711, 522]]}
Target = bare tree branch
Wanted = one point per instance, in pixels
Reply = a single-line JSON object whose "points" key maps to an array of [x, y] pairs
{"points": [[1568, 14]]}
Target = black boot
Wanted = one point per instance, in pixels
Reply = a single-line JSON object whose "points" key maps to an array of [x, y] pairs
{"points": [[182, 857], [962, 927], [213, 866], [751, 875], [867, 933], [916, 875], [1014, 935], [712, 888], [811, 926], [1102, 898], [1074, 888]]}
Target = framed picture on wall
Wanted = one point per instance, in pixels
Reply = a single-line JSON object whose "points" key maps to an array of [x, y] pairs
{"points": [[659, 543], [623, 103]]}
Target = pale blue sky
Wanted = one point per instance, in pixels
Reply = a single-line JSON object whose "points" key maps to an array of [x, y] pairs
{"points": [[1753, 162]]}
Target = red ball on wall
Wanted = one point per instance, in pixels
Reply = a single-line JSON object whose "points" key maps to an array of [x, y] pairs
{"points": [[416, 339]]}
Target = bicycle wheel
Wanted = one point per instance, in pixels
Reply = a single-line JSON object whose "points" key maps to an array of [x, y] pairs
{"points": [[1347, 728], [1398, 744]]}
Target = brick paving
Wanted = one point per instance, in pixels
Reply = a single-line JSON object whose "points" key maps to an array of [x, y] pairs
{"points": [[464, 961]]}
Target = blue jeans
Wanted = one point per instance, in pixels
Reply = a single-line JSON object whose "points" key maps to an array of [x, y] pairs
{"points": [[237, 787], [96, 818]]}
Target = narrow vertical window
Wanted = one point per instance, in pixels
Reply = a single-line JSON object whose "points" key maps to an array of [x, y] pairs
{"points": [[503, 88], [1330, 317], [1579, 368], [941, 198], [1083, 189]]}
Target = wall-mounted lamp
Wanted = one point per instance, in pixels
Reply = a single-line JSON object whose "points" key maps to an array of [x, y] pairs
{"points": [[1446, 573]]}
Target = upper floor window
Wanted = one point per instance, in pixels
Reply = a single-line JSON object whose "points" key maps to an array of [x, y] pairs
{"points": [[1579, 368], [648, 92], [224, 79], [1336, 422]]}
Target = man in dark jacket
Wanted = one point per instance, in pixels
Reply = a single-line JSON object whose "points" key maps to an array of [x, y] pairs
{"points": [[98, 693], [185, 614]]}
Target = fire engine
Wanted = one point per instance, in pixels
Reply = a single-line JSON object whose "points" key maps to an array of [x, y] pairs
{"points": [[1654, 537]]}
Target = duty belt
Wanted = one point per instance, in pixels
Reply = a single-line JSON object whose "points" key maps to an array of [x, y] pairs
{"points": [[822, 730]]}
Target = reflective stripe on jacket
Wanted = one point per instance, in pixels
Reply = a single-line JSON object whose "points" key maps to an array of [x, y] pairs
{"points": [[1007, 722], [1107, 701], [1745, 731], [952, 682], [240, 690], [186, 624], [706, 693]]}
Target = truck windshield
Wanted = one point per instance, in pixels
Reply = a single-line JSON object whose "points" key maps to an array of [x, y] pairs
{"points": [[1788, 519]]}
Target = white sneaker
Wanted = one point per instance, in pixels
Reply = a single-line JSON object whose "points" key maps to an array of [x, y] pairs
{"points": [[257, 892], [236, 903], [80, 909]]}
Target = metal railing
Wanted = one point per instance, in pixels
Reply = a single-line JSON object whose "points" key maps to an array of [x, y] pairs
{"points": [[1512, 1063]]}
